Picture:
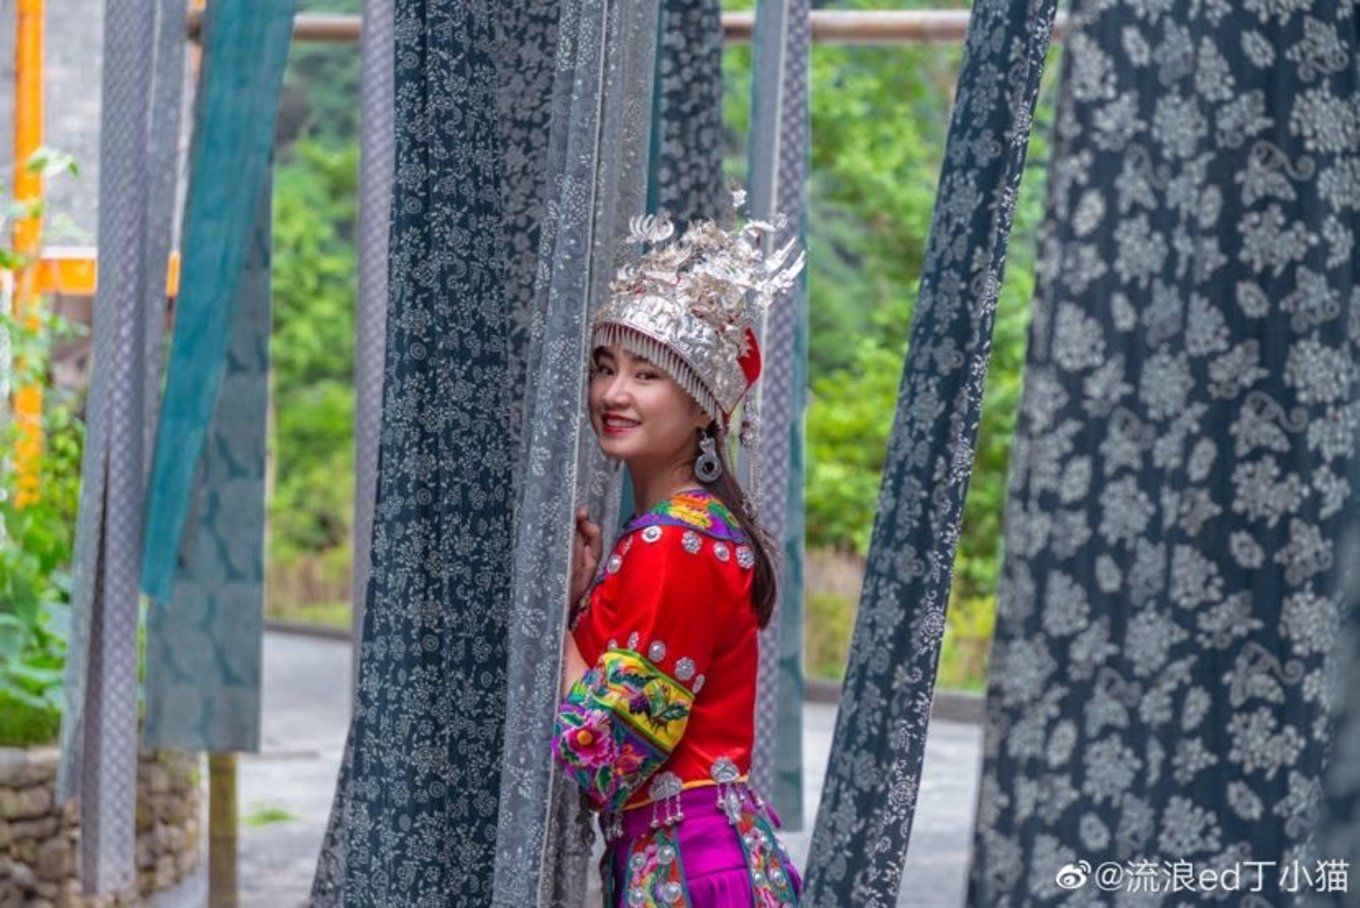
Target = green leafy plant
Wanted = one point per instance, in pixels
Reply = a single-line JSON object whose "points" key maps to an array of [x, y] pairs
{"points": [[35, 539], [879, 122], [37, 542]]}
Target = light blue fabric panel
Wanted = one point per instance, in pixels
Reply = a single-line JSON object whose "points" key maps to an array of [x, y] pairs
{"points": [[245, 46], [203, 645], [595, 173]]}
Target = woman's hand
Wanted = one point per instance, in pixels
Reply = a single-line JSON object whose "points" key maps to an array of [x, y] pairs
{"points": [[585, 555]]}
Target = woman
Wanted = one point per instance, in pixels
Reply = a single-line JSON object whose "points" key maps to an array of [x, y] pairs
{"points": [[657, 720]]}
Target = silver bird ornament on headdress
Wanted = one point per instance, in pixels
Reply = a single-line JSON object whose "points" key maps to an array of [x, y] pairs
{"points": [[691, 305]]}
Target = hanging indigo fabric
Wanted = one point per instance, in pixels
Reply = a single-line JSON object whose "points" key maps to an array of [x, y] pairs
{"points": [[596, 166], [773, 466], [203, 644], [687, 139], [860, 838], [99, 717], [413, 821], [1182, 461]]}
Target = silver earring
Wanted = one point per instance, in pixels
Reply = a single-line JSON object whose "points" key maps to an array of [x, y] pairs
{"points": [[707, 466]]}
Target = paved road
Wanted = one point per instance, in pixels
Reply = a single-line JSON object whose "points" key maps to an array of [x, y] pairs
{"points": [[306, 716]]}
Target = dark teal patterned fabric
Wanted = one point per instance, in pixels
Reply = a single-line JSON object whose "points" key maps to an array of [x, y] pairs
{"points": [[245, 47], [415, 810], [1182, 466], [860, 838], [203, 645]]}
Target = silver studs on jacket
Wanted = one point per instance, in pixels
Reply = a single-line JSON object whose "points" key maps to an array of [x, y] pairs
{"points": [[691, 541]]}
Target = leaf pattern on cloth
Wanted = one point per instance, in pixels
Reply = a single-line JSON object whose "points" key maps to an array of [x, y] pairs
{"points": [[1184, 453]]}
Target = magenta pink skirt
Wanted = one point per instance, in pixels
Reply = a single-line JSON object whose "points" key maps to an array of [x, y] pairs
{"points": [[718, 872]]}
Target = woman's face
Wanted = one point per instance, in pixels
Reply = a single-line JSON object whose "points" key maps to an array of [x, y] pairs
{"points": [[639, 413]]}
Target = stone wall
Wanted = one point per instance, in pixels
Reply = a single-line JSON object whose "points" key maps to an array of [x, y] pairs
{"points": [[39, 839]]}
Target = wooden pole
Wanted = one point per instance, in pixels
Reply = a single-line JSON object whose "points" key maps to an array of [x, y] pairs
{"points": [[223, 812], [828, 26], [222, 820]]}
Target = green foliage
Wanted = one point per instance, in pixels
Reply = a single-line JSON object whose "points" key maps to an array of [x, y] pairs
{"points": [[310, 511], [879, 120], [36, 545]]}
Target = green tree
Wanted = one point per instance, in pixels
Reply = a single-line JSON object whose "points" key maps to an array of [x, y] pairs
{"points": [[312, 366]]}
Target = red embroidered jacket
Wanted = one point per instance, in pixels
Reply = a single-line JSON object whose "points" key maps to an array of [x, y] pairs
{"points": [[670, 633]]}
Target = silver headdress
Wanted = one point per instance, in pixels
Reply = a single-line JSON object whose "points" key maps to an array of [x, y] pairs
{"points": [[691, 305]]}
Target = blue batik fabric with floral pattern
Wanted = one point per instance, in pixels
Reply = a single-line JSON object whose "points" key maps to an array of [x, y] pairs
{"points": [[1182, 465]]}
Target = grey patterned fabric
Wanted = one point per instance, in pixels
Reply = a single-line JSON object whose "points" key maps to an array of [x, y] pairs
{"points": [[1338, 836], [376, 140], [203, 645], [778, 152], [163, 166], [529, 69], [860, 838], [1183, 460], [98, 741], [596, 168]]}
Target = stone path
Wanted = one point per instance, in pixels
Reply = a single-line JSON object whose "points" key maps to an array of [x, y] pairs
{"points": [[306, 717]]}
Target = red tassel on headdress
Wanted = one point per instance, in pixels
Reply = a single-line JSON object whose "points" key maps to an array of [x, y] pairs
{"points": [[750, 363]]}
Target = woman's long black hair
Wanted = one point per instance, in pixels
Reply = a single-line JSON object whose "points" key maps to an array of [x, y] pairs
{"points": [[765, 588]]}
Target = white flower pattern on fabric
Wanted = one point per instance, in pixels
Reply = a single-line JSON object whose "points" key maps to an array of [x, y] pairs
{"points": [[1185, 443]]}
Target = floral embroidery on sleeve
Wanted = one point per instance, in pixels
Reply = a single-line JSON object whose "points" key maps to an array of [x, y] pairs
{"points": [[618, 724]]}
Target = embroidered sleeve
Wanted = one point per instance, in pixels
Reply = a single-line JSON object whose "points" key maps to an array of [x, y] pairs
{"points": [[622, 719]]}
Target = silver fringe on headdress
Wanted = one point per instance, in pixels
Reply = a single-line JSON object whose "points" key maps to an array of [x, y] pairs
{"points": [[691, 305]]}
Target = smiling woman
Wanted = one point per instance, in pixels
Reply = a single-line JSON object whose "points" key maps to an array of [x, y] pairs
{"points": [[642, 415], [656, 723]]}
